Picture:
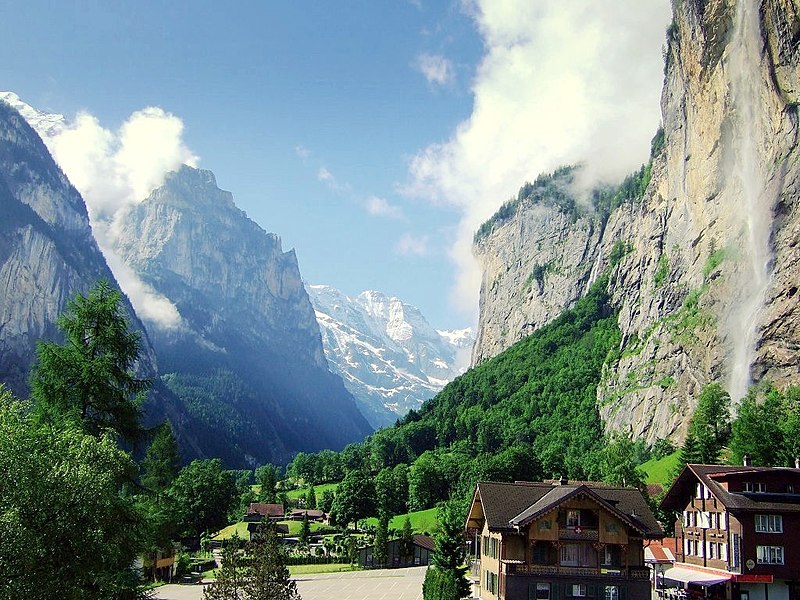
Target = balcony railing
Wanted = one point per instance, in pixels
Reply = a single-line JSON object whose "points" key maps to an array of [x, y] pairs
{"points": [[610, 572], [578, 533]]}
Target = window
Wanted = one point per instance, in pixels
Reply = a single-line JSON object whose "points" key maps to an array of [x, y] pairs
{"points": [[578, 590], [611, 592], [769, 555], [612, 556], [699, 493], [544, 524], [769, 523], [491, 583], [578, 555], [704, 520], [541, 591], [723, 521], [687, 546], [712, 549], [543, 554], [758, 487], [573, 518]]}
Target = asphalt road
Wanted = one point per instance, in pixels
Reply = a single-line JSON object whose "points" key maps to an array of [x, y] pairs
{"points": [[379, 584]]}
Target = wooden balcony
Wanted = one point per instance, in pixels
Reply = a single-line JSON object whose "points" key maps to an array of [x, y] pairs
{"points": [[578, 533], [515, 569]]}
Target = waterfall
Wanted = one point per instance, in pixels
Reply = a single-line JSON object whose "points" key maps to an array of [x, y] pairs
{"points": [[746, 183]]}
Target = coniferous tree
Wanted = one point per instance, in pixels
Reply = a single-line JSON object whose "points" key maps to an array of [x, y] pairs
{"points": [[406, 541], [162, 460], [311, 498], [268, 576], [446, 577], [380, 549], [91, 378], [229, 583], [305, 532]]}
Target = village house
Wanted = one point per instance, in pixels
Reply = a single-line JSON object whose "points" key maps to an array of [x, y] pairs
{"points": [[561, 539], [738, 529], [258, 511]]}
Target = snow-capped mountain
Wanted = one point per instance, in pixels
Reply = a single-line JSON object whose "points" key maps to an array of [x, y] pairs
{"points": [[389, 356], [45, 124]]}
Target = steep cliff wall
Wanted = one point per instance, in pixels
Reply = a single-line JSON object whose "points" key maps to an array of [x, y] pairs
{"points": [[47, 252], [704, 265], [247, 358]]}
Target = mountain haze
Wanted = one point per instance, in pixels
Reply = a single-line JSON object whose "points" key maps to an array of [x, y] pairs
{"points": [[247, 357]]}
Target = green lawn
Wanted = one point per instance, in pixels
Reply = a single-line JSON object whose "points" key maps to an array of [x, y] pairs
{"points": [[330, 568], [660, 470], [318, 491], [239, 528], [421, 521]]}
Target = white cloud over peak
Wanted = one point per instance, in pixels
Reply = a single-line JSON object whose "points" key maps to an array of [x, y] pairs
{"points": [[114, 170], [559, 83], [437, 69], [379, 207], [411, 245]]}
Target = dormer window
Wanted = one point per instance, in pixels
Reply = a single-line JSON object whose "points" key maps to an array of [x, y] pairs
{"points": [[757, 487]]}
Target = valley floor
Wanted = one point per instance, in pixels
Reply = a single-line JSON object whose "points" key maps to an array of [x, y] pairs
{"points": [[378, 584]]}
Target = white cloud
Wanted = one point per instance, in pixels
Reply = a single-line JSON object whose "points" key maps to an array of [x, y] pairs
{"points": [[410, 245], [559, 83], [379, 207], [329, 179], [436, 68], [302, 152], [116, 170]]}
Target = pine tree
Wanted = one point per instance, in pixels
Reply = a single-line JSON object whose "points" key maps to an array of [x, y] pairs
{"points": [[446, 577], [162, 460], [90, 378], [311, 498], [305, 531], [230, 581], [268, 577], [380, 551], [406, 541]]}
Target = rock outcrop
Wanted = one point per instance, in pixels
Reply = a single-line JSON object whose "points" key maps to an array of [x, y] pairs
{"points": [[47, 252], [704, 264], [247, 357]]}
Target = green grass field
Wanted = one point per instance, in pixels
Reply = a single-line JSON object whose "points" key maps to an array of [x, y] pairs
{"points": [[331, 568], [660, 470], [421, 521], [239, 529], [318, 491]]}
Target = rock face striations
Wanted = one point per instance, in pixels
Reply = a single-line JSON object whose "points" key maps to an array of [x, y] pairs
{"points": [[387, 353], [702, 245], [247, 357], [47, 252]]}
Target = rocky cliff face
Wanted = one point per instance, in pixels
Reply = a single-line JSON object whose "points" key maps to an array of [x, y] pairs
{"points": [[47, 252], [387, 353], [704, 264], [247, 357]]}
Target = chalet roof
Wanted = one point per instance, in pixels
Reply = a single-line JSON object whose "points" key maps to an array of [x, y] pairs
{"points": [[265, 510], [507, 505], [311, 512], [712, 476], [424, 541]]}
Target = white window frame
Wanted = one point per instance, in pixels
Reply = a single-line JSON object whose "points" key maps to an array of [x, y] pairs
{"points": [[579, 590], [770, 555], [611, 592], [544, 587], [769, 523]]}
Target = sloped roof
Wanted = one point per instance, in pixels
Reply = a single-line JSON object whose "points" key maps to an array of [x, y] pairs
{"points": [[507, 505], [712, 476], [424, 541], [265, 510]]}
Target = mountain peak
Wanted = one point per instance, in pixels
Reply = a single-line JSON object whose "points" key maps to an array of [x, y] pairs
{"points": [[45, 124]]}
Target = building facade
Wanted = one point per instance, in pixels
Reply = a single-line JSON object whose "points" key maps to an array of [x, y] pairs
{"points": [[738, 530], [560, 539]]}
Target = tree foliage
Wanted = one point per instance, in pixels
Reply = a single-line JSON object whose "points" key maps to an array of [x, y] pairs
{"points": [[267, 478], [446, 577], [66, 528], [355, 498], [91, 378], [709, 428], [766, 427], [162, 460], [201, 496]]}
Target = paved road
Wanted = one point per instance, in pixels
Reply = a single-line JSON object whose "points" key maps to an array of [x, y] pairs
{"points": [[380, 584]]}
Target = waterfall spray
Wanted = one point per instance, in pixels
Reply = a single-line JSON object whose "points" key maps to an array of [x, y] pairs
{"points": [[746, 185]]}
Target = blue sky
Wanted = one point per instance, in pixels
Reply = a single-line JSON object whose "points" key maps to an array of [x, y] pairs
{"points": [[372, 136]]}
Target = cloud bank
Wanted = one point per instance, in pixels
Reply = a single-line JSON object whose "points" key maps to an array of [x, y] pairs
{"points": [[559, 83], [114, 170]]}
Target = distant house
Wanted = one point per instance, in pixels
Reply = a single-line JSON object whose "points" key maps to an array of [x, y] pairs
{"points": [[423, 547], [738, 531], [559, 539], [313, 515], [660, 556], [258, 511], [160, 565]]}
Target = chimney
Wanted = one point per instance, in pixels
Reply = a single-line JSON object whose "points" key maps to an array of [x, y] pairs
{"points": [[563, 481], [746, 460], [797, 463]]}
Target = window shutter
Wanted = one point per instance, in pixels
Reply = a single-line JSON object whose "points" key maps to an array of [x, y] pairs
{"points": [[590, 591], [723, 520], [554, 591], [623, 590]]}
